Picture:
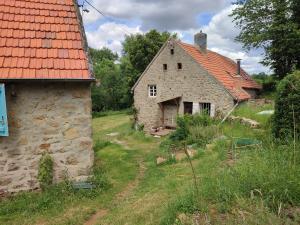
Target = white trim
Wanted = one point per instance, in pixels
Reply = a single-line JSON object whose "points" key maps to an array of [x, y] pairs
{"points": [[152, 90]]}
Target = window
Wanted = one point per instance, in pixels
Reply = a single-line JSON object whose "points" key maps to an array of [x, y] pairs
{"points": [[179, 66], [172, 51], [152, 90], [205, 108], [3, 113], [165, 67]]}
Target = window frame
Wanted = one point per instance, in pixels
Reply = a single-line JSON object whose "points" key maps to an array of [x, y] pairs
{"points": [[152, 90], [203, 106]]}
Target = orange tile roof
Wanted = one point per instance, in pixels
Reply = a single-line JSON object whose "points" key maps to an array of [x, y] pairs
{"points": [[41, 39], [224, 70]]}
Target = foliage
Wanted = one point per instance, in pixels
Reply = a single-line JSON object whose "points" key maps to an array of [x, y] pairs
{"points": [[202, 135], [45, 173], [141, 48], [118, 75], [268, 82], [277, 31], [286, 118], [112, 93], [193, 128], [99, 55]]}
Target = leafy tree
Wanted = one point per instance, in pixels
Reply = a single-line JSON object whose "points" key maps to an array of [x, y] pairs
{"points": [[140, 49], [116, 80], [98, 55], [112, 92], [286, 118], [274, 26]]}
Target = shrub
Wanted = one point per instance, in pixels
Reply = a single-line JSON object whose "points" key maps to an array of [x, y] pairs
{"points": [[45, 174], [202, 135], [287, 108], [188, 123]]}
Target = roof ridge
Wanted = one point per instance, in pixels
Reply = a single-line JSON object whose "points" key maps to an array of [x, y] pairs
{"points": [[222, 68]]}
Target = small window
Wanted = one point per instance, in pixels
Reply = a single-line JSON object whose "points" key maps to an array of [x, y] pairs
{"points": [[179, 66], [165, 67], [172, 51], [152, 90], [205, 108]]}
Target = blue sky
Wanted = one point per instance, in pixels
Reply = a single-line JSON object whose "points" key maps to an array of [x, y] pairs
{"points": [[183, 17]]}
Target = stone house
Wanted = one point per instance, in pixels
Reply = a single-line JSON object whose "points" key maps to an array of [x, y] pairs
{"points": [[184, 78], [45, 95]]}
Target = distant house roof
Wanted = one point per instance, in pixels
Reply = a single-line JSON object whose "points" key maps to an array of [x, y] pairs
{"points": [[42, 39], [224, 70]]}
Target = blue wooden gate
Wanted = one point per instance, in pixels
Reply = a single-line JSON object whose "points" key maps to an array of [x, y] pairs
{"points": [[3, 112]]}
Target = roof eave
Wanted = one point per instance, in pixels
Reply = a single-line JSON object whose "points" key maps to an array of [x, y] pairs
{"points": [[89, 80]]}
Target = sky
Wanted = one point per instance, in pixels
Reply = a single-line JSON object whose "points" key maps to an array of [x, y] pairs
{"points": [[184, 17]]}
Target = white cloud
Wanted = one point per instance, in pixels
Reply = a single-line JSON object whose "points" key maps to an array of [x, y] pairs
{"points": [[175, 16], [110, 35], [221, 33], [158, 14]]}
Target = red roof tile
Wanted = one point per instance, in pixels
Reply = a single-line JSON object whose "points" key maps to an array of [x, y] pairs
{"points": [[41, 39], [224, 70]]}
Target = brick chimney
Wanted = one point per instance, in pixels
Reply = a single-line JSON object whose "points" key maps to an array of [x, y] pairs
{"points": [[238, 67], [200, 41]]}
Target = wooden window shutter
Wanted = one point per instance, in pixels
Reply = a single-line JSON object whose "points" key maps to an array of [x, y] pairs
{"points": [[3, 112]]}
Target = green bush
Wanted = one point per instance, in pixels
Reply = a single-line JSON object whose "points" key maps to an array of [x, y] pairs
{"points": [[188, 123], [201, 135], [286, 118], [45, 173]]}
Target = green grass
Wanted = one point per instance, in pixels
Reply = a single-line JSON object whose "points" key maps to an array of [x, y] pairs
{"points": [[259, 187], [250, 111]]}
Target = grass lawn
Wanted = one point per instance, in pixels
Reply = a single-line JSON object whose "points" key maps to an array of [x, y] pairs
{"points": [[135, 191]]}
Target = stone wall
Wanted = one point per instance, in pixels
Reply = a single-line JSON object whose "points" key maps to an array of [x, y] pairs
{"points": [[46, 117], [252, 92], [192, 83]]}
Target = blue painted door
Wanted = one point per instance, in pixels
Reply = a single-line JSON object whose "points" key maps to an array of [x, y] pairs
{"points": [[3, 112]]}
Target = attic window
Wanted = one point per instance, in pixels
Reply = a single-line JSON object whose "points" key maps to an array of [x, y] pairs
{"points": [[165, 67], [179, 66], [152, 90], [172, 51]]}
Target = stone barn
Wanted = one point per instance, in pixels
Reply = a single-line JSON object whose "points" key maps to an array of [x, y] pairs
{"points": [[184, 78], [45, 96]]}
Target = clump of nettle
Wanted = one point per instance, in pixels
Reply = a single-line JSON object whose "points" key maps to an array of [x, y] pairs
{"points": [[197, 130], [45, 173]]}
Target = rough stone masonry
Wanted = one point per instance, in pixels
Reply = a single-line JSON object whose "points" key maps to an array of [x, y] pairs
{"points": [[46, 117]]}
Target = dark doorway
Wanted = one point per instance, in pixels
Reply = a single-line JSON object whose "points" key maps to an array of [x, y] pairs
{"points": [[188, 107]]}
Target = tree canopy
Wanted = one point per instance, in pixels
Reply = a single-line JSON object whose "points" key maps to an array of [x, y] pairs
{"points": [[118, 75], [273, 25], [141, 48]]}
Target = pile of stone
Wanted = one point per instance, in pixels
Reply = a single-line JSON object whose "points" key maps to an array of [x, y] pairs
{"points": [[245, 121]]}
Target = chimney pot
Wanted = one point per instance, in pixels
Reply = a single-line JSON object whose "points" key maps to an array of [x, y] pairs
{"points": [[238, 62], [200, 41]]}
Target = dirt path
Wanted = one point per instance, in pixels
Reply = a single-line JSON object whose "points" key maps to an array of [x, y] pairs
{"points": [[121, 196]]}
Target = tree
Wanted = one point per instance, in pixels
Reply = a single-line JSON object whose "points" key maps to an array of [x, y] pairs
{"points": [[140, 49], [274, 26], [98, 55], [112, 94], [286, 119]]}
